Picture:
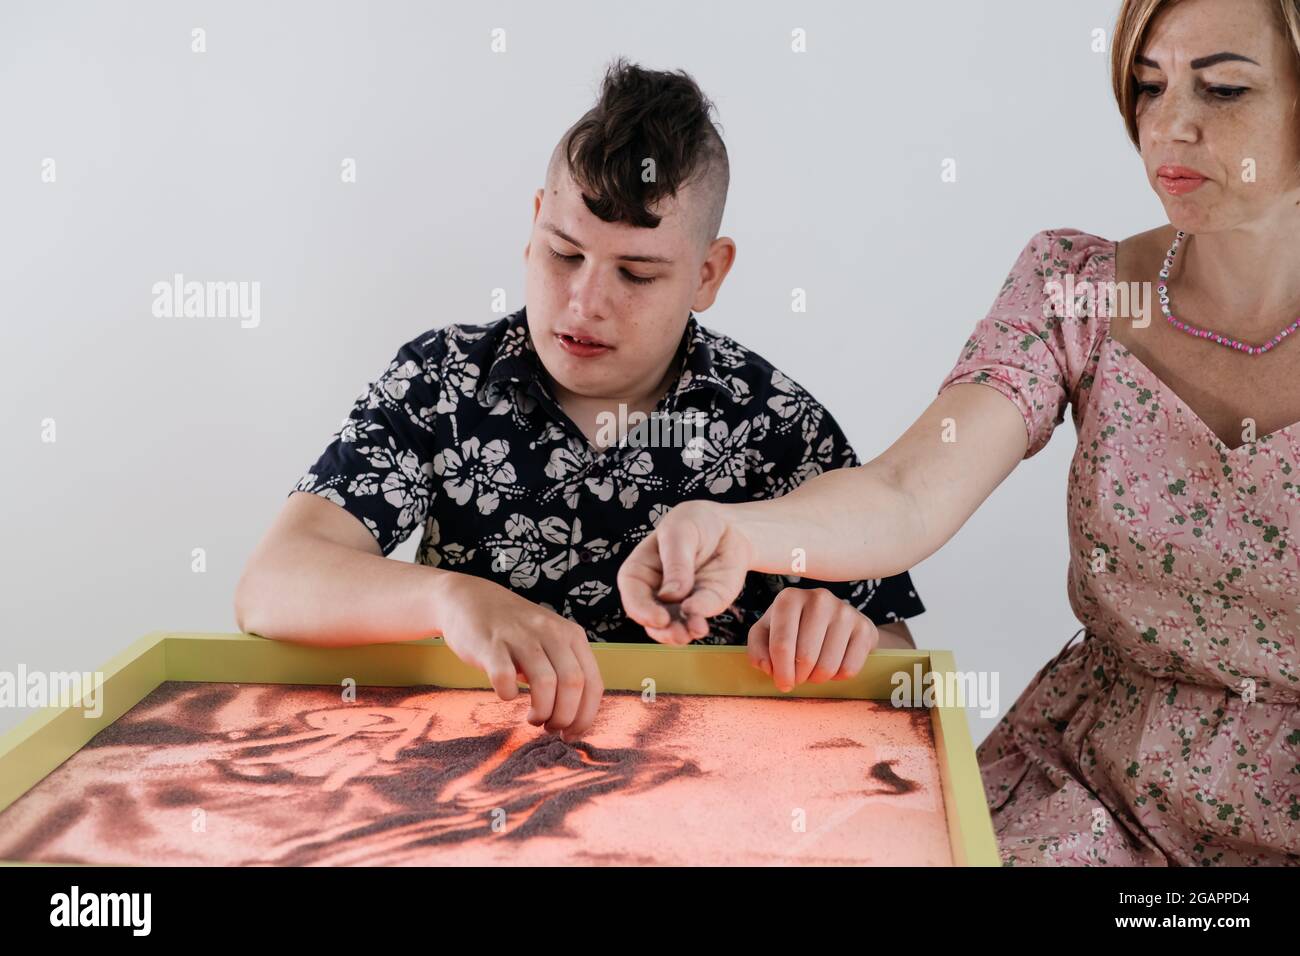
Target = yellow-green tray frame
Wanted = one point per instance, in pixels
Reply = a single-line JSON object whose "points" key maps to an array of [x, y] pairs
{"points": [[46, 739]]}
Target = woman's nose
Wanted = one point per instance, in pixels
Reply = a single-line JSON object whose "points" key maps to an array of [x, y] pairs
{"points": [[1174, 118]]}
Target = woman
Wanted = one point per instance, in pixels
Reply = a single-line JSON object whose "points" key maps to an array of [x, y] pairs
{"points": [[1170, 734]]}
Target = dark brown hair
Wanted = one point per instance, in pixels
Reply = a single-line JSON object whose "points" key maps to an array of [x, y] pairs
{"points": [[640, 115]]}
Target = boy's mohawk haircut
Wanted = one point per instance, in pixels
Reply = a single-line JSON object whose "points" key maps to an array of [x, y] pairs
{"points": [[646, 114]]}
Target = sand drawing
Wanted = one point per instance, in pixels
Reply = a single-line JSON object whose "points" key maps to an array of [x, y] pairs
{"points": [[264, 774]]}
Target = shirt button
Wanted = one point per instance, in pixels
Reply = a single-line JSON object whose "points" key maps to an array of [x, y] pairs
{"points": [[587, 557]]}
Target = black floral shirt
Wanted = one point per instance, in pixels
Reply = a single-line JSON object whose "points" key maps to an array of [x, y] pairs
{"points": [[461, 436]]}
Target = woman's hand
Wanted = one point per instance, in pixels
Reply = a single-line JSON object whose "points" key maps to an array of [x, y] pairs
{"points": [[696, 558], [809, 634]]}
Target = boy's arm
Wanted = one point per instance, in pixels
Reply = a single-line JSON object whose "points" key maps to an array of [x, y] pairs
{"points": [[318, 577]]}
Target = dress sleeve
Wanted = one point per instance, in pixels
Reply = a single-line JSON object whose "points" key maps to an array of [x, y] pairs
{"points": [[378, 465], [1036, 342]]}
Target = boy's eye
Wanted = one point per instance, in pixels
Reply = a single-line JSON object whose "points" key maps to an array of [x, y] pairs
{"points": [[631, 277]]}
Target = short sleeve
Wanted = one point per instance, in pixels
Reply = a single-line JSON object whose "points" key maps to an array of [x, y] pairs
{"points": [[1035, 344], [378, 465], [817, 446]]}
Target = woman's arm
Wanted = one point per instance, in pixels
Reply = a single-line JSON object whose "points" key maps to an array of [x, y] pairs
{"points": [[899, 508], [867, 522]]}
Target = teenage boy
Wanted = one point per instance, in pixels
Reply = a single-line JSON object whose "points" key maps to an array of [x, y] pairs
{"points": [[509, 444]]}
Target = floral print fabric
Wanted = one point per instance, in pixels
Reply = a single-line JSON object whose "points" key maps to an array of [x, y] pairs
{"points": [[461, 437], [1170, 734]]}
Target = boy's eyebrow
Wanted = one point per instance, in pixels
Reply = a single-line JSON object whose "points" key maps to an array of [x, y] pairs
{"points": [[1201, 62], [552, 227]]}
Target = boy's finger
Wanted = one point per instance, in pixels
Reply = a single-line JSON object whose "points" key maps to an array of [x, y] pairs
{"points": [[501, 672], [864, 638], [814, 620], [540, 675], [838, 634], [782, 640], [569, 681], [592, 688], [757, 644]]}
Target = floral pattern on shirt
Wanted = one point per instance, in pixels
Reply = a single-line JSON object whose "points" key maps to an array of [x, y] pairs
{"points": [[461, 435]]}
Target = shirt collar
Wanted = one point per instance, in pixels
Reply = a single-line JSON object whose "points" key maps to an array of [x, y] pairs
{"points": [[517, 361]]}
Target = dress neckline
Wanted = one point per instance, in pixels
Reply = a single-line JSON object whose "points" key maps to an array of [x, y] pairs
{"points": [[1166, 389]]}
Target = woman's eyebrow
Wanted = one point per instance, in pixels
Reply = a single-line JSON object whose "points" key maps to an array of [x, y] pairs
{"points": [[1200, 63]]}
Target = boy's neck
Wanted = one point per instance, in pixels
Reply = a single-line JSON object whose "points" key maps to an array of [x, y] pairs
{"points": [[589, 412]]}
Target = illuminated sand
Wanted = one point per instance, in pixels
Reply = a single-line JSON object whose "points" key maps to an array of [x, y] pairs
{"points": [[250, 774]]}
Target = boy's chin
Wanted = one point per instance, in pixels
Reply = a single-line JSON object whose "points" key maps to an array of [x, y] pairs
{"points": [[574, 381]]}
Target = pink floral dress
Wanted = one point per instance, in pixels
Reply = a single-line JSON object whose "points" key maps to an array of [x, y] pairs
{"points": [[1170, 734]]}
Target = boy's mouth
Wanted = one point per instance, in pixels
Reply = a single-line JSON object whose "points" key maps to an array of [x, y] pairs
{"points": [[582, 346]]}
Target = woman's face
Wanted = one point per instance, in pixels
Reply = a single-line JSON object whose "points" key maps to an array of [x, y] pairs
{"points": [[1217, 87]]}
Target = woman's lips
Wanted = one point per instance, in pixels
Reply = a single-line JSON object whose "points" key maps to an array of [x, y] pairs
{"points": [[1179, 180], [581, 348]]}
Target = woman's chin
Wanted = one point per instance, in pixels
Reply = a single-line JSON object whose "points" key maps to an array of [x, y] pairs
{"points": [[1186, 216]]}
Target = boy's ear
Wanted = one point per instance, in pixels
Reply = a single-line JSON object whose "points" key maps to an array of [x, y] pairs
{"points": [[717, 263], [537, 208]]}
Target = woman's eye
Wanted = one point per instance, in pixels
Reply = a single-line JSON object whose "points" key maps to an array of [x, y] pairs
{"points": [[1226, 92], [1148, 89], [562, 258]]}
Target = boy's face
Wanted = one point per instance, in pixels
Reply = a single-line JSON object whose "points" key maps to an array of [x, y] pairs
{"points": [[608, 302]]}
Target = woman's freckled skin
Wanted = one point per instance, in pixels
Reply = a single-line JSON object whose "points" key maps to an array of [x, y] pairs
{"points": [[1181, 122]]}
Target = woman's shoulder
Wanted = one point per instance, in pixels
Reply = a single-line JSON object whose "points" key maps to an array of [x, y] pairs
{"points": [[1055, 253], [1055, 266]]}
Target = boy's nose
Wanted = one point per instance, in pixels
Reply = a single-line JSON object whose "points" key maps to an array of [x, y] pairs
{"points": [[588, 296]]}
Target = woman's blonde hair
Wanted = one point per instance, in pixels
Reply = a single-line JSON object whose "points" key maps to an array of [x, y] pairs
{"points": [[1130, 31]]}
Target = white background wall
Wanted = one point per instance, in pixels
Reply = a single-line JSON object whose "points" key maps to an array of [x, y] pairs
{"points": [[174, 434]]}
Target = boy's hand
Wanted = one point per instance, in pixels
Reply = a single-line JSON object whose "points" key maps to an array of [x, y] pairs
{"points": [[511, 638], [690, 568], [809, 634]]}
